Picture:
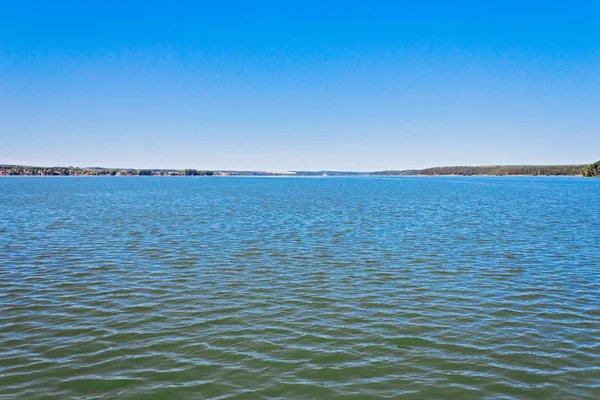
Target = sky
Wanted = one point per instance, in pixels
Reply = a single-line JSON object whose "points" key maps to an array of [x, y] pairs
{"points": [[311, 85]]}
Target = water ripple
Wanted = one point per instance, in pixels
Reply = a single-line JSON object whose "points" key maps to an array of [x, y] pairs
{"points": [[257, 288]]}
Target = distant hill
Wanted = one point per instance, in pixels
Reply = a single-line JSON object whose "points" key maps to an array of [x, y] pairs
{"points": [[495, 170], [590, 170], [93, 171]]}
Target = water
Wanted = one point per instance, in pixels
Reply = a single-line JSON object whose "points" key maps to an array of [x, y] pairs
{"points": [[291, 288]]}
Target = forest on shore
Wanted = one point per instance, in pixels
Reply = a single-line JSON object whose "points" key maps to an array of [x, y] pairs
{"points": [[590, 170], [496, 170], [95, 171]]}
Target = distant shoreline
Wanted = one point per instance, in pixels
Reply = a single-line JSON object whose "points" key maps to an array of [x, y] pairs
{"points": [[493, 170]]}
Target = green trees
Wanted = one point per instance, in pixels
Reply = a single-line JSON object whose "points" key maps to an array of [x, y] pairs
{"points": [[592, 170], [500, 170], [195, 172], [94, 171]]}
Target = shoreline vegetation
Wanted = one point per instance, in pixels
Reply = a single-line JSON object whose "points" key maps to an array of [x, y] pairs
{"points": [[591, 170]]}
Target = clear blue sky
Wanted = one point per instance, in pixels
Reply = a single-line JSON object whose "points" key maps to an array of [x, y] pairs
{"points": [[348, 85]]}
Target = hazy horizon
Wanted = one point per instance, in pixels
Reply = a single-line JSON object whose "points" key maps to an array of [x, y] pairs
{"points": [[278, 170], [348, 86]]}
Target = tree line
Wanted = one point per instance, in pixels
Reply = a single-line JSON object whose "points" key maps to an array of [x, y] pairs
{"points": [[592, 170], [77, 171], [495, 170]]}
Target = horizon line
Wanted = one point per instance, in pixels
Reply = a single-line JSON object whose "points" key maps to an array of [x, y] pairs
{"points": [[292, 171]]}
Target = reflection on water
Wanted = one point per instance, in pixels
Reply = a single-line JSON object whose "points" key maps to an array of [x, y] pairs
{"points": [[263, 288]]}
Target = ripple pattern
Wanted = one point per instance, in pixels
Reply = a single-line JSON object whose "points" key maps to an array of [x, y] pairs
{"points": [[299, 288]]}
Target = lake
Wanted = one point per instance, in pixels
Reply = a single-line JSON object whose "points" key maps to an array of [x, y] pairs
{"points": [[299, 288]]}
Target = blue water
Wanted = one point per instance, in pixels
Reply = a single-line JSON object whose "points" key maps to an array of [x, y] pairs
{"points": [[299, 288]]}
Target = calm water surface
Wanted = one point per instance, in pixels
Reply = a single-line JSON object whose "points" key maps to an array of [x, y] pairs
{"points": [[291, 288]]}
